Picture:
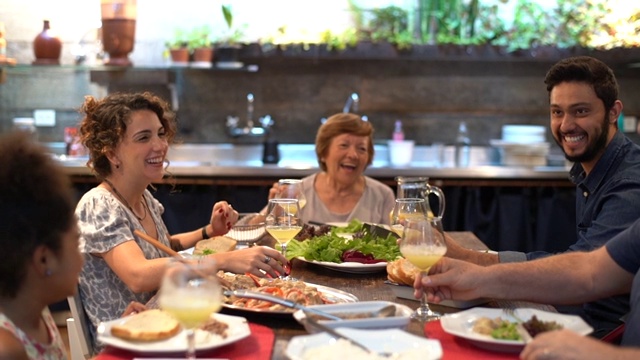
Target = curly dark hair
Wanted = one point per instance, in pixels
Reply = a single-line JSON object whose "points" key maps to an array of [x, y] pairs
{"points": [[338, 124], [36, 207], [587, 70], [105, 123]]}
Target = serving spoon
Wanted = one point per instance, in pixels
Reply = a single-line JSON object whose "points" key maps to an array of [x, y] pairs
{"points": [[278, 300], [385, 311], [335, 334]]}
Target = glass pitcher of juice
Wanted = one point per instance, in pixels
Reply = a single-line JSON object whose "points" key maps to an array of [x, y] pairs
{"points": [[418, 187]]}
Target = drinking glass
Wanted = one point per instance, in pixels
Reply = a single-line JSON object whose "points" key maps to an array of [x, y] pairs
{"points": [[291, 189], [191, 293], [423, 244], [282, 221], [407, 208]]}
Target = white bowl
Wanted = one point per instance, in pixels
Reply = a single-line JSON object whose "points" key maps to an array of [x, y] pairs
{"points": [[388, 340], [400, 320]]}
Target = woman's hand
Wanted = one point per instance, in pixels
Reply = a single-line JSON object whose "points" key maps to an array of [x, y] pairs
{"points": [[254, 259], [273, 191], [134, 307], [223, 216]]}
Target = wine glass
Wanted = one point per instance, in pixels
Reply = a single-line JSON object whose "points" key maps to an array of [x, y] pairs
{"points": [[423, 244], [407, 208], [291, 189], [282, 221], [190, 292]]}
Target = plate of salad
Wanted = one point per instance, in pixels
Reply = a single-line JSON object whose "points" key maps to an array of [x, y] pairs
{"points": [[351, 249]]}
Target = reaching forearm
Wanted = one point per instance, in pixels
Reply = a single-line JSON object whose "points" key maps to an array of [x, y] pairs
{"points": [[562, 278], [189, 239], [456, 251]]}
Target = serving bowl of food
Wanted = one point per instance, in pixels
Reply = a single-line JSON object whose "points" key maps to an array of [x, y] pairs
{"points": [[301, 292], [359, 315]]}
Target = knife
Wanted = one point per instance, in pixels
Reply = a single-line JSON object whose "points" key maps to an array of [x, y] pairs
{"points": [[378, 230], [524, 334]]}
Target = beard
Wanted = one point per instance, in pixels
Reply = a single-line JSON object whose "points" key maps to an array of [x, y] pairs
{"points": [[594, 148]]}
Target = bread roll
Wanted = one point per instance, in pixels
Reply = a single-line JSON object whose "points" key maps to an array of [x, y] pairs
{"points": [[150, 325], [401, 271], [215, 245]]}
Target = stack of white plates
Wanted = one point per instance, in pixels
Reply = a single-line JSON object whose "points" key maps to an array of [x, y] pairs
{"points": [[523, 134], [522, 145]]}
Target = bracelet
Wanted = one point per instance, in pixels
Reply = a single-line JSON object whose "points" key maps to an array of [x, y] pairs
{"points": [[204, 233]]}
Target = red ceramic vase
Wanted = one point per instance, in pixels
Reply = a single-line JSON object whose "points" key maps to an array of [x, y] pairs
{"points": [[47, 47]]}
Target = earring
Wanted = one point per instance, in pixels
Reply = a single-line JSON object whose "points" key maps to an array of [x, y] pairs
{"points": [[117, 166], [48, 272]]}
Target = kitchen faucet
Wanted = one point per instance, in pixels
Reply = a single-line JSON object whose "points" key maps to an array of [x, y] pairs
{"points": [[249, 130], [352, 100]]}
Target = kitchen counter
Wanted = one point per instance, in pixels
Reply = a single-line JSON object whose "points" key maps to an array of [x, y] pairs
{"points": [[220, 163]]}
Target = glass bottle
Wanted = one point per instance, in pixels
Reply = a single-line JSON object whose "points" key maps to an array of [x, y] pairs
{"points": [[463, 146]]}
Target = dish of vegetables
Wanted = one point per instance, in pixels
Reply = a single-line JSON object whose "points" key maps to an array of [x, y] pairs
{"points": [[350, 248]]}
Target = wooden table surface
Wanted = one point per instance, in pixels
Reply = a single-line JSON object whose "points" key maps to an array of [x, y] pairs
{"points": [[367, 287]]}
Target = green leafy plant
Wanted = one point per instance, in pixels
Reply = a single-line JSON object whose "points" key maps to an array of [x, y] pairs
{"points": [[200, 37], [457, 22], [339, 42], [578, 21], [232, 35], [180, 40]]}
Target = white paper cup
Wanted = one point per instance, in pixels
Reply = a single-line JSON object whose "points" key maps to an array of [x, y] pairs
{"points": [[400, 152]]}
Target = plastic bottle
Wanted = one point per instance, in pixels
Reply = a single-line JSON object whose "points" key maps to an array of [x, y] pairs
{"points": [[27, 125], [463, 146], [398, 134], [3, 42]]}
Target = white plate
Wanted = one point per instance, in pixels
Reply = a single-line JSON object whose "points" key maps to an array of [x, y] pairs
{"points": [[389, 340], [338, 224], [349, 267], [238, 329], [461, 325], [399, 320]]}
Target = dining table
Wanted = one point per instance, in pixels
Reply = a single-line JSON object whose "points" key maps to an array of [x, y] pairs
{"points": [[371, 286]]}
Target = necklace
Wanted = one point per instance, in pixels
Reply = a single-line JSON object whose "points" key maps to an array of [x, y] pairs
{"points": [[144, 206]]}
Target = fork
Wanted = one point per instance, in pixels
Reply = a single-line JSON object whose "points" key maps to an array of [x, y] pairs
{"points": [[522, 331]]}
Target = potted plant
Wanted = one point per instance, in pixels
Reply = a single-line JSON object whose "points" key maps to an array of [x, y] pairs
{"points": [[178, 47], [228, 45], [200, 44]]}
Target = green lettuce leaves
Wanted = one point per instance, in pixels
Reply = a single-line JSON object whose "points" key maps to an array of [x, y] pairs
{"points": [[330, 247]]}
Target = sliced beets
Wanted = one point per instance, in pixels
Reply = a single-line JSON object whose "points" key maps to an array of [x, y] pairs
{"points": [[359, 257]]}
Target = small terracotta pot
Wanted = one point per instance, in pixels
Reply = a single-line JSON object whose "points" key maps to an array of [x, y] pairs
{"points": [[203, 55], [180, 55]]}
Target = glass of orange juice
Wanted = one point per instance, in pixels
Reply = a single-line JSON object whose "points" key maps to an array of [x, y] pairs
{"points": [[282, 221], [423, 244], [191, 293]]}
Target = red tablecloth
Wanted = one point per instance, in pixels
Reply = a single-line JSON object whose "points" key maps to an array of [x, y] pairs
{"points": [[455, 348], [258, 345]]}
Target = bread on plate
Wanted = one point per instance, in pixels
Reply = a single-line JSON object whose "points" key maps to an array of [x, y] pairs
{"points": [[401, 271], [149, 325], [215, 245]]}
